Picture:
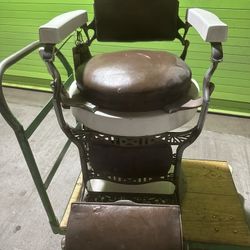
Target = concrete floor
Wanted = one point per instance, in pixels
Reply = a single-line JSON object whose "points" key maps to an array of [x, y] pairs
{"points": [[24, 225]]}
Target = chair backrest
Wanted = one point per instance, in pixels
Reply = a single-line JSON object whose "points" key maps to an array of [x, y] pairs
{"points": [[136, 20]]}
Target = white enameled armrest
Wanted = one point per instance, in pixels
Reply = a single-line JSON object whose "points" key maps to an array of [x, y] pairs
{"points": [[61, 26], [208, 25]]}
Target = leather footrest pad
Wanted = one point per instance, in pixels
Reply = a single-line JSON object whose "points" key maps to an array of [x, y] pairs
{"points": [[120, 226]]}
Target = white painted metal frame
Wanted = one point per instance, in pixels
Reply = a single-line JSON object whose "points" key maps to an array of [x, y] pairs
{"points": [[159, 187], [208, 25], [133, 123], [62, 26]]}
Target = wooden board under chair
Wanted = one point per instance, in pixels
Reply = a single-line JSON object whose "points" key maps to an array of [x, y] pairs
{"points": [[212, 212], [211, 209]]}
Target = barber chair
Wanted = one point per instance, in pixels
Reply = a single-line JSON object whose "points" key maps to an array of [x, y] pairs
{"points": [[127, 104], [130, 106]]}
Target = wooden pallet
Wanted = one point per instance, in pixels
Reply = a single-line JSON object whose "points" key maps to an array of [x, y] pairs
{"points": [[211, 208], [212, 213]]}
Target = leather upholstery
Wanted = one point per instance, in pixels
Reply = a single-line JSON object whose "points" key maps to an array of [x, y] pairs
{"points": [[136, 80], [136, 20], [119, 226], [134, 161]]}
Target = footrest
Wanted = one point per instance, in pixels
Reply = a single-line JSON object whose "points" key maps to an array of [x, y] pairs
{"points": [[124, 225]]}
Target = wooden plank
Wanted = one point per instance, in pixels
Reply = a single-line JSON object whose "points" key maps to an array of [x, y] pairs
{"points": [[211, 209], [74, 198]]}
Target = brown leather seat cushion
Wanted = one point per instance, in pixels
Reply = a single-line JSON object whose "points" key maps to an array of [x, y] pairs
{"points": [[136, 80], [118, 226]]}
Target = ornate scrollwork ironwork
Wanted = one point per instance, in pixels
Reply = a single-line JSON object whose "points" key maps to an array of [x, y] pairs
{"points": [[175, 139], [138, 198]]}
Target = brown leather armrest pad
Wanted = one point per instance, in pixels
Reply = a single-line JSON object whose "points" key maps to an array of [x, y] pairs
{"points": [[128, 226]]}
